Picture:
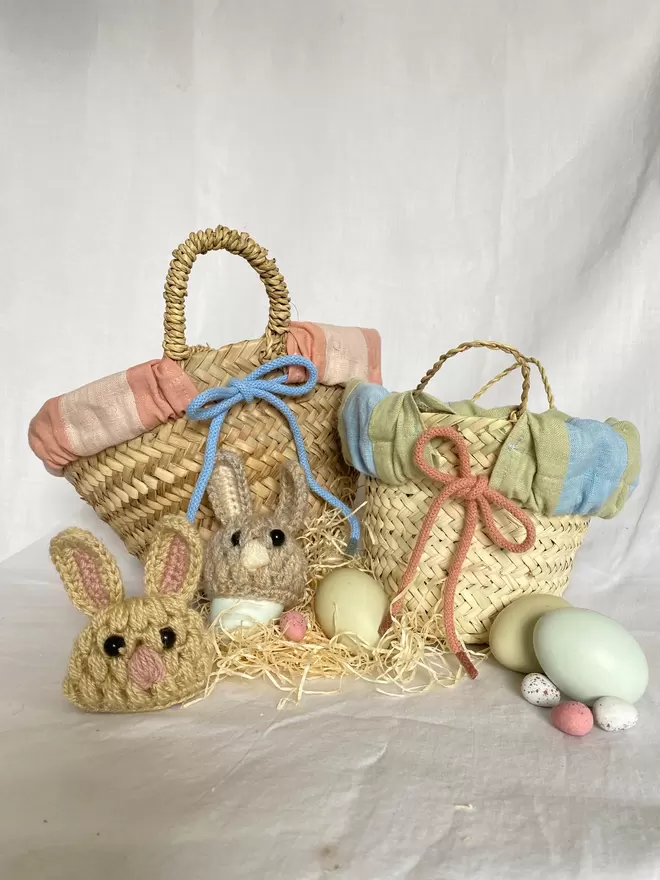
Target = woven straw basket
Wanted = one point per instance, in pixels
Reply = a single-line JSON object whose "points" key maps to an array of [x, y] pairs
{"points": [[133, 485], [490, 578]]}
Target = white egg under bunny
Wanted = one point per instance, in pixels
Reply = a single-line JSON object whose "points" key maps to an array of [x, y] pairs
{"points": [[233, 613]]}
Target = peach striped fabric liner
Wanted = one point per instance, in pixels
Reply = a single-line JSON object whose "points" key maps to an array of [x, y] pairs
{"points": [[108, 412], [121, 407], [339, 353]]}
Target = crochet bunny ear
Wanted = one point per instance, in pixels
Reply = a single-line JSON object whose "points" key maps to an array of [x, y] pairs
{"points": [[292, 506], [228, 489], [89, 573], [174, 561]]}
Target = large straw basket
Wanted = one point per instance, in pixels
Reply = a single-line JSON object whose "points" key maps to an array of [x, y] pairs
{"points": [[490, 578], [133, 485]]}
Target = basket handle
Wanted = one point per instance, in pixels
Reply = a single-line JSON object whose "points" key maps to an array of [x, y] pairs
{"points": [[539, 366], [176, 288], [521, 362]]}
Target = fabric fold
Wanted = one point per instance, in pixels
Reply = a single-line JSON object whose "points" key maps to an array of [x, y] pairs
{"points": [[550, 462], [338, 353], [121, 407], [108, 412]]}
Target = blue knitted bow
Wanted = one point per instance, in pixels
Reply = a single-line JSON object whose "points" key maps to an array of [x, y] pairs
{"points": [[214, 404]]}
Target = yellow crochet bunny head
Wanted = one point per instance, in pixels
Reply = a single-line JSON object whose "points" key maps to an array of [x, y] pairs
{"points": [[137, 654]]}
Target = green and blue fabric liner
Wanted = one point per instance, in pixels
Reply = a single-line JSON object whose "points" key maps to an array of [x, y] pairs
{"points": [[550, 463], [214, 404]]}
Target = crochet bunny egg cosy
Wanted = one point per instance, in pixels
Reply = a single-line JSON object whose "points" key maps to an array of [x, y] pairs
{"points": [[137, 654], [256, 556]]}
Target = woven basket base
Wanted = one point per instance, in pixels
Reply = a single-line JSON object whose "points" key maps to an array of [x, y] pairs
{"points": [[490, 579], [133, 485]]}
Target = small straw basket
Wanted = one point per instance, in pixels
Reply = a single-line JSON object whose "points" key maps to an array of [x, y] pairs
{"points": [[133, 485], [490, 577]]}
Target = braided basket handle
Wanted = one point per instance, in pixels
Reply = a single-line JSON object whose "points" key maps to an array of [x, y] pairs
{"points": [[176, 288], [521, 362], [539, 366]]}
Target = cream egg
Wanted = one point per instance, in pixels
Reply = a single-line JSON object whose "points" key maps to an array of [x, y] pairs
{"points": [[511, 636], [350, 603]]}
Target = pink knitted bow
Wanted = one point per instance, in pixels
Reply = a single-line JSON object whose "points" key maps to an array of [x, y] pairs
{"points": [[478, 496]]}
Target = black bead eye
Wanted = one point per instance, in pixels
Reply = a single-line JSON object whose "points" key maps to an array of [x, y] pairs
{"points": [[278, 537], [113, 645], [168, 637], [235, 538]]}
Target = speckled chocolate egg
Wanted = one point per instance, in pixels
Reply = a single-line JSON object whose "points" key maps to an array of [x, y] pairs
{"points": [[540, 691], [613, 714], [293, 626], [572, 718]]}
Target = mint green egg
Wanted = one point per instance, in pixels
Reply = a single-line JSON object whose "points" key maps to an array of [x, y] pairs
{"points": [[588, 655]]}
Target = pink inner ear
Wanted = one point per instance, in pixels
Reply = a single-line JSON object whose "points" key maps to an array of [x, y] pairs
{"points": [[89, 574], [176, 566]]}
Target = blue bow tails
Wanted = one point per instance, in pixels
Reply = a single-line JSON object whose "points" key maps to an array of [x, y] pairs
{"points": [[214, 404]]}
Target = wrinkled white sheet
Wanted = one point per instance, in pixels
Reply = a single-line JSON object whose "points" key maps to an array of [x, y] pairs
{"points": [[441, 171], [469, 782]]}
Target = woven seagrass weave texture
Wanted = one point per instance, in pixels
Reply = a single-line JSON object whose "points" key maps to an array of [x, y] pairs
{"points": [[491, 578], [133, 485]]}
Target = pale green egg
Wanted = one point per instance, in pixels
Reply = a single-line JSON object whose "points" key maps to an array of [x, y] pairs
{"points": [[588, 655]]}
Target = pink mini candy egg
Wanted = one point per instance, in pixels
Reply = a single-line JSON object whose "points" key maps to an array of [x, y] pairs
{"points": [[293, 626], [572, 718]]}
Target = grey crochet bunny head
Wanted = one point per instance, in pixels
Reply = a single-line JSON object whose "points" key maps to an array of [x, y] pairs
{"points": [[255, 556]]}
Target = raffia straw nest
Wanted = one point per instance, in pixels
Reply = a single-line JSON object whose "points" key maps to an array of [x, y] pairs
{"points": [[407, 660]]}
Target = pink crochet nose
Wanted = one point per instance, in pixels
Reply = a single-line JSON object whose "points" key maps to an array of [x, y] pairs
{"points": [[145, 667]]}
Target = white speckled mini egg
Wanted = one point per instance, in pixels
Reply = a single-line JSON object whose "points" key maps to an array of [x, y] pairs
{"points": [[612, 714], [540, 691]]}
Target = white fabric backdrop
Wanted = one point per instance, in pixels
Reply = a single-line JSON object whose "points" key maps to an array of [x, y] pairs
{"points": [[440, 171]]}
